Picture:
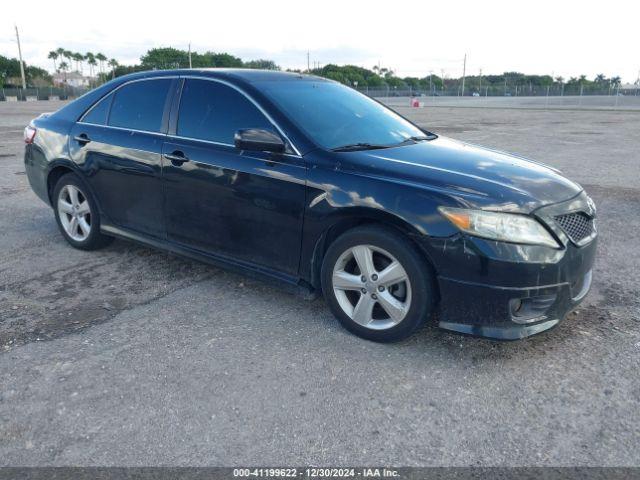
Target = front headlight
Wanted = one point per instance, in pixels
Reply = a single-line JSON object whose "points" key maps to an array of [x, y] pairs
{"points": [[506, 227]]}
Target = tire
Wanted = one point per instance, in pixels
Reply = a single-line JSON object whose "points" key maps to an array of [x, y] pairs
{"points": [[361, 302], [77, 214]]}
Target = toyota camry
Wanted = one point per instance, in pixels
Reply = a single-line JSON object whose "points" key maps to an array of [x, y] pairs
{"points": [[311, 184]]}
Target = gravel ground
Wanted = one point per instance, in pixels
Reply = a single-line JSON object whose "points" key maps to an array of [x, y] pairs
{"points": [[130, 356]]}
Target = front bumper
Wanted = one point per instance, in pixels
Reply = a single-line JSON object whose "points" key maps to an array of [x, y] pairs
{"points": [[486, 310], [509, 291]]}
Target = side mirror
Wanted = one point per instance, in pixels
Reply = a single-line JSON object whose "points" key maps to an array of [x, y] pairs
{"points": [[258, 140]]}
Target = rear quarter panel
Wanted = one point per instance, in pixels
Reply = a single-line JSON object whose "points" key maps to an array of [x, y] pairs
{"points": [[48, 150]]}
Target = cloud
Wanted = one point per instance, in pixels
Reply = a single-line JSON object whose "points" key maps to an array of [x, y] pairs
{"points": [[412, 38]]}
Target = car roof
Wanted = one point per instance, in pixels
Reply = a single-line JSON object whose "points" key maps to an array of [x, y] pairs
{"points": [[243, 74], [239, 76]]}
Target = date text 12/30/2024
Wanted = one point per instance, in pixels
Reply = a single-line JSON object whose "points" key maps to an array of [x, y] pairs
{"points": [[316, 472]]}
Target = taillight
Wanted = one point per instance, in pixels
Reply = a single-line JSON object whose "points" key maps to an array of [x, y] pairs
{"points": [[29, 134]]}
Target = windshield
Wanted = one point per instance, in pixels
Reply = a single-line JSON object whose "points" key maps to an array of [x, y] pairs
{"points": [[336, 116]]}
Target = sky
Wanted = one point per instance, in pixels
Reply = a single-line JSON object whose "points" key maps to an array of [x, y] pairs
{"points": [[413, 38]]}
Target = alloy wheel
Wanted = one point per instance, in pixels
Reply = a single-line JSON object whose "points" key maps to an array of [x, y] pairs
{"points": [[372, 287], [74, 212]]}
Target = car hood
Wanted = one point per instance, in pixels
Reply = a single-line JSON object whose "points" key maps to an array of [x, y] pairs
{"points": [[476, 176]]}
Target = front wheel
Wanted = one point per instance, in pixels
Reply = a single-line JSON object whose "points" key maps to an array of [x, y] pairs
{"points": [[377, 284]]}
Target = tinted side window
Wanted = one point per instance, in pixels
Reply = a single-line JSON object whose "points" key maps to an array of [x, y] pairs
{"points": [[98, 114], [213, 111], [140, 105]]}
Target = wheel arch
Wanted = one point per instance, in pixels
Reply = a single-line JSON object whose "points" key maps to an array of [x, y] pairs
{"points": [[56, 170], [61, 167], [357, 217]]}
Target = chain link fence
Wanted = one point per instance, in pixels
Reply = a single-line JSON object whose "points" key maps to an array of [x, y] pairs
{"points": [[510, 96], [43, 93], [450, 94], [454, 89]]}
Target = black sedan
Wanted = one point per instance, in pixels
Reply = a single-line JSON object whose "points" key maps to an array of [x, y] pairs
{"points": [[307, 182]]}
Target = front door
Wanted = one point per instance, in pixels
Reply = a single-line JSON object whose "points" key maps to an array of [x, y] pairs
{"points": [[244, 206]]}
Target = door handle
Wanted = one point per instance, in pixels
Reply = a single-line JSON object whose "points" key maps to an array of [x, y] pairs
{"points": [[82, 139], [177, 158]]}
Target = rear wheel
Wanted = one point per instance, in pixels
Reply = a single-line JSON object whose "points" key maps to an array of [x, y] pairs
{"points": [[77, 214], [377, 284]]}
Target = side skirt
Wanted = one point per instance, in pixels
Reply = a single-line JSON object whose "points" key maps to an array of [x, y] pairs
{"points": [[286, 282]]}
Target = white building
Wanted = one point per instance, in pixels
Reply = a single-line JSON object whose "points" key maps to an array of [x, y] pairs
{"points": [[72, 79]]}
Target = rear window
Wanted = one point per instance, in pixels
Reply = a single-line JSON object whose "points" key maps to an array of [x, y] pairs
{"points": [[98, 114], [140, 105]]}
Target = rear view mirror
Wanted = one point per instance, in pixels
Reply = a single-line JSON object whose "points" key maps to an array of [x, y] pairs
{"points": [[255, 139]]}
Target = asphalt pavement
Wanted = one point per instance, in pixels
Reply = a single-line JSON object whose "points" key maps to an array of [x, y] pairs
{"points": [[130, 356]]}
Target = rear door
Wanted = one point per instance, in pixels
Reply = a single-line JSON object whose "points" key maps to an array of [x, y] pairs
{"points": [[247, 206], [118, 145]]}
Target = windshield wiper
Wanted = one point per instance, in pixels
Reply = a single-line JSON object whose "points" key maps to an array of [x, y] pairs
{"points": [[415, 139], [420, 138], [352, 147]]}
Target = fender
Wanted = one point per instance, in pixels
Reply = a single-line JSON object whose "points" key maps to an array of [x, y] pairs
{"points": [[345, 219], [337, 201]]}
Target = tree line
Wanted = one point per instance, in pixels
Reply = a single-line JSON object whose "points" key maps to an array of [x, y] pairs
{"points": [[10, 73], [63, 61], [102, 68]]}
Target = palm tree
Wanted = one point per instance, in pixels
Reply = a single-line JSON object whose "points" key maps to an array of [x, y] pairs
{"points": [[78, 58], [68, 54], [101, 58], [113, 63], [91, 60], [53, 55], [64, 66]]}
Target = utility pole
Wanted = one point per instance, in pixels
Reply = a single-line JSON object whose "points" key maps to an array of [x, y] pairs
{"points": [[464, 71], [190, 66], [308, 69], [24, 81], [430, 87], [480, 87]]}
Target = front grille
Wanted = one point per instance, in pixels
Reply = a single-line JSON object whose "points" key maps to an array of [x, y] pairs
{"points": [[577, 226]]}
